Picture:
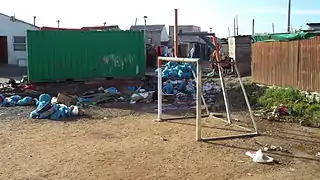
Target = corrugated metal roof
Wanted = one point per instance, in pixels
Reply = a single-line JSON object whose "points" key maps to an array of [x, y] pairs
{"points": [[18, 20], [83, 28], [157, 27]]}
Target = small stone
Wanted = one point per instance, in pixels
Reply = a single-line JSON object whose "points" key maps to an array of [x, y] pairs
{"points": [[249, 174], [291, 169], [163, 139]]}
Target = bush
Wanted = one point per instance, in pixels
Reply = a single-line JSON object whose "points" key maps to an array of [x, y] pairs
{"points": [[296, 101]]}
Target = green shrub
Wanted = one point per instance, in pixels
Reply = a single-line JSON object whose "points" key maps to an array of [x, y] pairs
{"points": [[296, 101]]}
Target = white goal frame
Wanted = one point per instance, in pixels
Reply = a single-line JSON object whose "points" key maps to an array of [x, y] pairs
{"points": [[200, 98], [198, 91]]}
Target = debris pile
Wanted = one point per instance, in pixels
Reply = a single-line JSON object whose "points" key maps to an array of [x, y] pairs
{"points": [[46, 109], [179, 89], [16, 93], [177, 70], [179, 84]]}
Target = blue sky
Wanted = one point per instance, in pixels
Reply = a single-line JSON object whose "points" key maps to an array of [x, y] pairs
{"points": [[217, 14]]}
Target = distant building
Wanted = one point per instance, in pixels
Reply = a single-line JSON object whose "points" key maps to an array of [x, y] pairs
{"points": [[156, 34], [313, 26], [13, 44], [186, 38]]}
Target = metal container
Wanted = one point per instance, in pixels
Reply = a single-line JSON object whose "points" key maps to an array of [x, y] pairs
{"points": [[59, 55]]}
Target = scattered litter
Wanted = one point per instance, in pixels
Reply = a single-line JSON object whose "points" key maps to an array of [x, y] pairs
{"points": [[163, 139], [292, 169], [259, 157], [112, 90]]}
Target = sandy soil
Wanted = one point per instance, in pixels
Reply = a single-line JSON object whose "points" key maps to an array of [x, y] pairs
{"points": [[129, 145]]}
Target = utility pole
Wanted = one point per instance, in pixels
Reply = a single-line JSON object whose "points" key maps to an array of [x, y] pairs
{"points": [[252, 27], [234, 26], [135, 22], [58, 23], [229, 31], [289, 16], [237, 26], [175, 37], [145, 29], [273, 28]]}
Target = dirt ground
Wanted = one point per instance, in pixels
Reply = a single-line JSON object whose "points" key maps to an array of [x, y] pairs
{"points": [[128, 144], [124, 142]]}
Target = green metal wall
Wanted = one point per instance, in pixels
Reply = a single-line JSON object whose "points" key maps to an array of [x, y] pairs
{"points": [[81, 55]]}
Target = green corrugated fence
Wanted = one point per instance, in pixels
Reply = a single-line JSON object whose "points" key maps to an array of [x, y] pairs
{"points": [[57, 55]]}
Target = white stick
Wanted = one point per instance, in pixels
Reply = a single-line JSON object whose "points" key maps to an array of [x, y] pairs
{"points": [[198, 103], [159, 90]]}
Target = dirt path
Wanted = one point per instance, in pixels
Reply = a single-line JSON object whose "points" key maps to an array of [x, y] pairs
{"points": [[136, 147]]}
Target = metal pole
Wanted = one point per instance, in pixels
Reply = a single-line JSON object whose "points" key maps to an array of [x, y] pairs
{"points": [[289, 16], [198, 102], [58, 23], [246, 98], [159, 90], [237, 26], [229, 31], [224, 92], [234, 26], [176, 46], [34, 20], [252, 27], [272, 27], [145, 29]]}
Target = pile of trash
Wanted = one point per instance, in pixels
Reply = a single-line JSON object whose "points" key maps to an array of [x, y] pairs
{"points": [[16, 100], [185, 90], [177, 70], [131, 95], [47, 108], [179, 82], [19, 93], [277, 113]]}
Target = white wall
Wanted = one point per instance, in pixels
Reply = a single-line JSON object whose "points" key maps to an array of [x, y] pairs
{"points": [[14, 28]]}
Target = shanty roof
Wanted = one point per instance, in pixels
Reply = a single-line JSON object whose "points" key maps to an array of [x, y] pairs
{"points": [[83, 28], [100, 27], [158, 27], [313, 24], [18, 20]]}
